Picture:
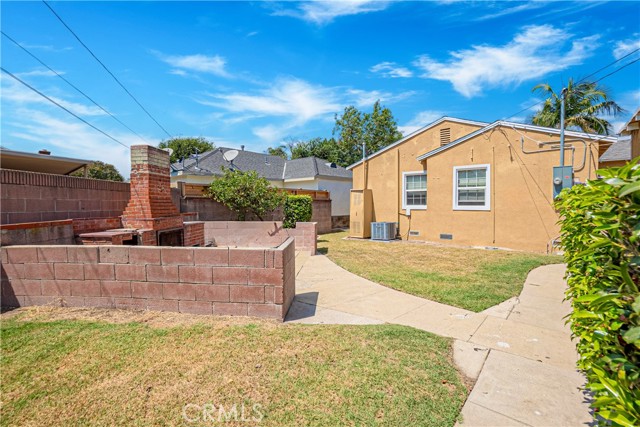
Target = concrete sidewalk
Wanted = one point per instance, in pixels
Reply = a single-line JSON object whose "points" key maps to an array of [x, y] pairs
{"points": [[519, 352]]}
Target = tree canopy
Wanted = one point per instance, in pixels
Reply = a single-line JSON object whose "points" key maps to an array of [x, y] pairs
{"points": [[352, 128], [280, 151], [183, 147], [585, 104], [246, 193], [100, 170]]}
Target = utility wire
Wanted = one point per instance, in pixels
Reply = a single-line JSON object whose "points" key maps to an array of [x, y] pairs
{"points": [[607, 66], [64, 108], [70, 84], [106, 69], [584, 78]]}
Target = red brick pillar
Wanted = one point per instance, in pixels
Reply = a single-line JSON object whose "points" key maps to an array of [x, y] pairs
{"points": [[150, 206]]}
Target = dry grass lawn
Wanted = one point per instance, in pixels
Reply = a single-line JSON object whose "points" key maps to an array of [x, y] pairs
{"points": [[63, 367], [474, 279]]}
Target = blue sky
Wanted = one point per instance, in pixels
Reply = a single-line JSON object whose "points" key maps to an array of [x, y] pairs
{"points": [[258, 73]]}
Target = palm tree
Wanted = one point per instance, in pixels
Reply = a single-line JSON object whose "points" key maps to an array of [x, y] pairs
{"points": [[584, 104]]}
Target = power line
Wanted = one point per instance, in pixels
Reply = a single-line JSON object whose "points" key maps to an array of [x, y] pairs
{"points": [[615, 71], [64, 108], [71, 84], [106, 69], [584, 78], [610, 64]]}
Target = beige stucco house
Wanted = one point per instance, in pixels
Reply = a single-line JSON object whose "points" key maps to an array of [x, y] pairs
{"points": [[472, 183]]}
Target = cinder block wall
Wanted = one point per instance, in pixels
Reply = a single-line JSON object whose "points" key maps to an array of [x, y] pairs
{"points": [[36, 197], [260, 233], [210, 210], [38, 233], [240, 282]]}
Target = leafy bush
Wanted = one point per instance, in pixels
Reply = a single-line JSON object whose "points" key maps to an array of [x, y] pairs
{"points": [[601, 238], [246, 193], [297, 209]]}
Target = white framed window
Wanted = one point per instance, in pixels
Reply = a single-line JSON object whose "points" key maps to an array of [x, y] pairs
{"points": [[472, 188], [414, 190]]}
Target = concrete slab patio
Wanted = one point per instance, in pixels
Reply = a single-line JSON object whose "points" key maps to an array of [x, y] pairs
{"points": [[519, 352]]}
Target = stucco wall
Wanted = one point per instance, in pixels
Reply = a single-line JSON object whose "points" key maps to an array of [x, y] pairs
{"points": [[521, 215], [340, 191]]}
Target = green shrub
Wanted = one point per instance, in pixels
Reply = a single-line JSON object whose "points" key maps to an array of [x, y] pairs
{"points": [[601, 238], [246, 193], [297, 209]]}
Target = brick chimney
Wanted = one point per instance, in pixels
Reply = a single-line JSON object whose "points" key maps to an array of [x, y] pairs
{"points": [[150, 206]]}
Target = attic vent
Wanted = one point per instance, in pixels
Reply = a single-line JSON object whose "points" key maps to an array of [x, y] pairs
{"points": [[445, 136]]}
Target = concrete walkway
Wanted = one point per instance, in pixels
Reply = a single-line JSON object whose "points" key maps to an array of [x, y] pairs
{"points": [[519, 352]]}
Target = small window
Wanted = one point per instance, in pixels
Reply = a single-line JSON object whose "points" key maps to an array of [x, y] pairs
{"points": [[415, 190], [445, 136], [471, 189]]}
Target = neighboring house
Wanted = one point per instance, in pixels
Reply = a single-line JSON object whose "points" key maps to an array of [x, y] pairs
{"points": [[627, 147], [42, 162], [473, 183], [309, 173]]}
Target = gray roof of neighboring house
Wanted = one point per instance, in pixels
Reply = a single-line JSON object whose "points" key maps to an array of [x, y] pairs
{"points": [[270, 167], [619, 150]]}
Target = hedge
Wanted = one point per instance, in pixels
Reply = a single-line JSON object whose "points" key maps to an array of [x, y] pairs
{"points": [[297, 209], [600, 234]]}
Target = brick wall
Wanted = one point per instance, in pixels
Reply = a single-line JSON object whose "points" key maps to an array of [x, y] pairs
{"points": [[241, 282], [92, 225], [260, 234], [37, 233], [37, 197], [194, 233]]}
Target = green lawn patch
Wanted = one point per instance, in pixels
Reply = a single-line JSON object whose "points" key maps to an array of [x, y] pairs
{"points": [[91, 372], [473, 279]]}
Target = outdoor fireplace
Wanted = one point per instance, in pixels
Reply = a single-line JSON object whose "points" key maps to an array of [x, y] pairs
{"points": [[150, 215]]}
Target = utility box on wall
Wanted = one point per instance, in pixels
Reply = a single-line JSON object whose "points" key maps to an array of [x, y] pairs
{"points": [[361, 214], [562, 178]]}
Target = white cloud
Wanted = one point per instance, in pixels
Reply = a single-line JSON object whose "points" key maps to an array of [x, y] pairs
{"points": [[39, 73], [13, 91], [391, 69], [625, 47], [420, 120], [533, 53], [47, 48], [197, 63], [511, 10], [324, 12], [292, 98], [70, 138], [366, 98]]}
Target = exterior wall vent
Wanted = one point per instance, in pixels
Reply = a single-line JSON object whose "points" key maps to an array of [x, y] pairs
{"points": [[383, 230], [414, 233], [446, 236], [445, 136]]}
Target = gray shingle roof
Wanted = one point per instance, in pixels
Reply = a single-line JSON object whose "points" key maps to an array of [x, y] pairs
{"points": [[619, 150], [273, 168]]}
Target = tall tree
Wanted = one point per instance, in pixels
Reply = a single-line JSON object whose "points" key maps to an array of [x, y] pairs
{"points": [[585, 103], [376, 129], [183, 147], [280, 151], [100, 170]]}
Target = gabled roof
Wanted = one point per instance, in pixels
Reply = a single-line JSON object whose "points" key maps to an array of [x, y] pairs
{"points": [[43, 163], [418, 132], [514, 126], [273, 168], [619, 150], [632, 124], [301, 168]]}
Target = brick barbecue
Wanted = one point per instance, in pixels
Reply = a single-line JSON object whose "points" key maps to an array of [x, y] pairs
{"points": [[150, 218]]}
